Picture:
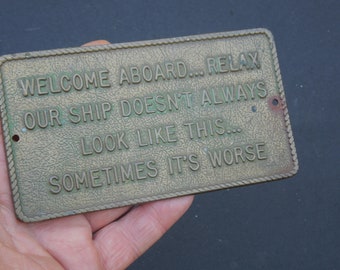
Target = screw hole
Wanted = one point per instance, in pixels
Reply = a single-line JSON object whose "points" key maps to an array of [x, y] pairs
{"points": [[275, 102], [15, 138]]}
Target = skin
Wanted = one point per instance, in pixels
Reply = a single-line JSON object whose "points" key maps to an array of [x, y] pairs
{"points": [[108, 239]]}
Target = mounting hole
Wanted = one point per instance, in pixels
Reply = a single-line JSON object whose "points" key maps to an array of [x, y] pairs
{"points": [[15, 138], [275, 102]]}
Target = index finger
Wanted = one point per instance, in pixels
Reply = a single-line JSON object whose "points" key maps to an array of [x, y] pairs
{"points": [[5, 191]]}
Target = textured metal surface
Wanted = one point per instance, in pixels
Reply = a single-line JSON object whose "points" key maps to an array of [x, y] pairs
{"points": [[94, 128]]}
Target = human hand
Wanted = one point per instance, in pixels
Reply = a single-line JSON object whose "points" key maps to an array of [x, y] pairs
{"points": [[108, 239]]}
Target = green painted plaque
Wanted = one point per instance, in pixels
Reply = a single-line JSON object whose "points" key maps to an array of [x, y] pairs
{"points": [[99, 127]]}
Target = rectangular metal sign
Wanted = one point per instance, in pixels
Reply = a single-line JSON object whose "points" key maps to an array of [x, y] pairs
{"points": [[93, 128]]}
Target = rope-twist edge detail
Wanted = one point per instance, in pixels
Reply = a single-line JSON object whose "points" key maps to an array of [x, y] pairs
{"points": [[138, 44]]}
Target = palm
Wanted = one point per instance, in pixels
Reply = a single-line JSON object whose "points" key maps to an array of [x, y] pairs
{"points": [[109, 239]]}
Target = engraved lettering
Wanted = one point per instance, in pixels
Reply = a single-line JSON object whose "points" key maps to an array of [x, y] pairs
{"points": [[77, 82], [123, 77], [105, 109], [238, 151], [159, 73], [90, 79], [54, 117], [53, 181], [205, 98], [223, 64], [250, 154], [250, 88], [206, 128], [121, 143], [103, 79], [212, 66], [160, 103], [138, 106], [216, 99], [41, 86], [135, 77], [126, 172], [84, 148], [262, 91], [139, 168], [148, 73], [187, 98], [181, 69], [74, 116], [42, 119], [228, 157], [27, 86], [228, 63], [170, 71], [125, 108], [228, 93], [156, 135], [170, 132], [100, 143], [232, 66], [225, 94], [105, 176], [220, 130], [173, 102], [241, 93], [52, 87], [237, 155], [243, 61], [147, 105], [97, 144], [87, 112], [90, 112], [141, 143], [104, 128], [81, 179], [68, 182], [193, 162], [177, 164], [63, 83], [94, 177], [253, 57], [260, 151], [109, 142], [29, 120], [151, 166], [148, 101]]}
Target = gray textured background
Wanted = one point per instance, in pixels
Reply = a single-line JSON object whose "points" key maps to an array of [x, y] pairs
{"points": [[289, 224]]}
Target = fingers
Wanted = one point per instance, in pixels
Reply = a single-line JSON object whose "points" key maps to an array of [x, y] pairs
{"points": [[100, 219], [5, 192], [96, 42], [69, 241], [121, 242]]}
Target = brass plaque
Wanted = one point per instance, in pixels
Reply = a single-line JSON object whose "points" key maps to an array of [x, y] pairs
{"points": [[99, 127]]}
